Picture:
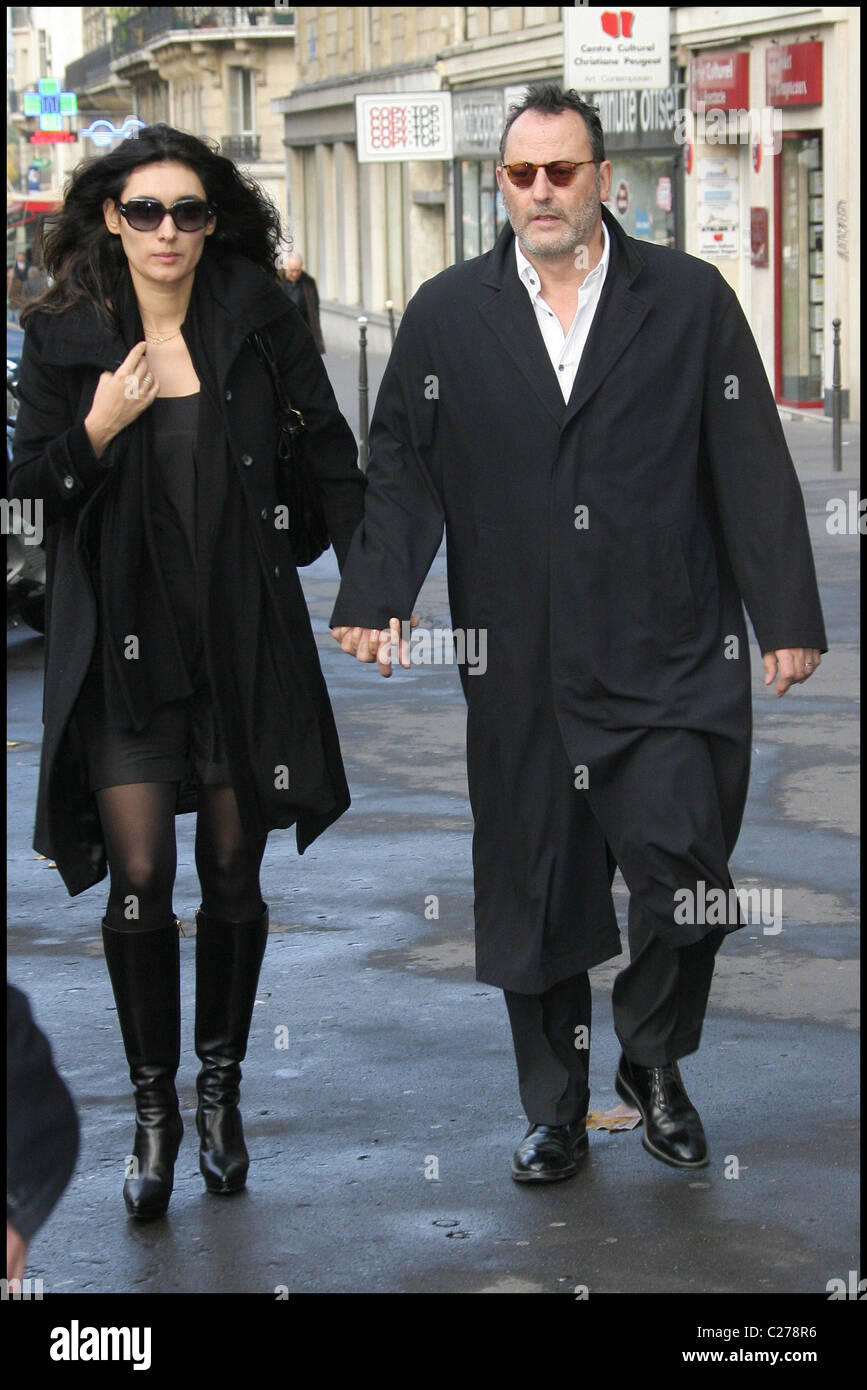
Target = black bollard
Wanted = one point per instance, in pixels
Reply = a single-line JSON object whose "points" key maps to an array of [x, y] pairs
{"points": [[362, 392], [390, 308], [837, 402]]}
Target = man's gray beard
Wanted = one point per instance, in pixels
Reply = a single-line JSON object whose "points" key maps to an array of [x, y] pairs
{"points": [[574, 235]]}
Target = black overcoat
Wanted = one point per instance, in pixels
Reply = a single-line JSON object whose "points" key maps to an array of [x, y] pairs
{"points": [[254, 659], [605, 545]]}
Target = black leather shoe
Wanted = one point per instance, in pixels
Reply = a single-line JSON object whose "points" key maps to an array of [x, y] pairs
{"points": [[144, 968], [228, 961], [549, 1153], [673, 1131]]}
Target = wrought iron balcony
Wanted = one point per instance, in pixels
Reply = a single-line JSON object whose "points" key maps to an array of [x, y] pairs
{"points": [[243, 148], [90, 71], [154, 21]]}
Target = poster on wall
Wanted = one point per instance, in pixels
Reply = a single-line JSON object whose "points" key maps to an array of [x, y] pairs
{"points": [[612, 50], [718, 204], [389, 127]]}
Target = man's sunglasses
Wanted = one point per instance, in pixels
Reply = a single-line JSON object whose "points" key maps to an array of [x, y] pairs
{"points": [[560, 173], [146, 214]]}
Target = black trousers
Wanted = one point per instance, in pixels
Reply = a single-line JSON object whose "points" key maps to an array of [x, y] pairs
{"points": [[659, 1002], [670, 804]]}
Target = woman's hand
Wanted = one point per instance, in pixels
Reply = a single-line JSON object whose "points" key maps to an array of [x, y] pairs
{"points": [[376, 644], [120, 397]]}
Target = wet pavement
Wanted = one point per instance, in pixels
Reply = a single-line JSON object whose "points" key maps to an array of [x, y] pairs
{"points": [[379, 1094]]}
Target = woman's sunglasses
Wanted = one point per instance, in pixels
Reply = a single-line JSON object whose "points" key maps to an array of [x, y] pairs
{"points": [[146, 214], [560, 173]]}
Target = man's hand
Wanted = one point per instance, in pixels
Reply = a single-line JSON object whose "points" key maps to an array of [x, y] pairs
{"points": [[375, 644], [793, 664]]}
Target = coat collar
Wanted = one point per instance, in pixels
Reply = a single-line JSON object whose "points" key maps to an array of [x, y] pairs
{"points": [[243, 298], [619, 315]]}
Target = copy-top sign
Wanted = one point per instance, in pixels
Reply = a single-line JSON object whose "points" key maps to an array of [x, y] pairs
{"points": [[394, 127], [611, 50]]}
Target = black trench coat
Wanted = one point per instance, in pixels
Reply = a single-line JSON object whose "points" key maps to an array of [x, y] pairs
{"points": [[600, 622], [54, 463]]}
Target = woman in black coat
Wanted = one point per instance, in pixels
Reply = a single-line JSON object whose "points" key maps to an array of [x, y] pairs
{"points": [[181, 671]]}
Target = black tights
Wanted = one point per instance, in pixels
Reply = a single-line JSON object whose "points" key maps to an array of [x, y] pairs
{"points": [[138, 822]]}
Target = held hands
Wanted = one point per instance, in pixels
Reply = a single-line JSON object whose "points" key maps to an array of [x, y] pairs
{"points": [[375, 644], [794, 665], [120, 397]]}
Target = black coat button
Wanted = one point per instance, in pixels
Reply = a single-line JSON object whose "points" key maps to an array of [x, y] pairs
{"points": [[228, 395], [246, 460], [69, 481]]}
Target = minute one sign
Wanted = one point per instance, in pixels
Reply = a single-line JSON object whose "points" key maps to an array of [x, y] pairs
{"points": [[633, 120]]}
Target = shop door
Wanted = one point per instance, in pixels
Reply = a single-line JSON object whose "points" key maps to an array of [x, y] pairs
{"points": [[481, 215], [800, 271]]}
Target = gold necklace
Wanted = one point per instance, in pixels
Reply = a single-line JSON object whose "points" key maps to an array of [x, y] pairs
{"points": [[155, 338]]}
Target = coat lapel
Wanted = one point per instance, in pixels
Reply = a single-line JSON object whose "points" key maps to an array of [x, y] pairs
{"points": [[509, 314], [236, 298], [619, 315]]}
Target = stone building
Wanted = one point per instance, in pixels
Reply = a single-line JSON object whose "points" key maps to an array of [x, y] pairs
{"points": [[371, 232], [207, 70]]}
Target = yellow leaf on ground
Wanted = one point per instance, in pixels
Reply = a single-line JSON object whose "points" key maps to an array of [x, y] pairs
{"points": [[621, 1117]]}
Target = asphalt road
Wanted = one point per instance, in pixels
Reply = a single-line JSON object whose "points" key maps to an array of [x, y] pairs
{"points": [[381, 1134]]}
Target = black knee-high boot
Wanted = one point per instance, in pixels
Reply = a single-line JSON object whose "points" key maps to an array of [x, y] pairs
{"points": [[144, 968], [228, 960]]}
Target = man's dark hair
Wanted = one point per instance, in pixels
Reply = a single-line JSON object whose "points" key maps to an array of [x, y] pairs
{"points": [[552, 100]]}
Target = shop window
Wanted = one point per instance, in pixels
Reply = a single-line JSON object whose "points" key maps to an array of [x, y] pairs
{"points": [[482, 214], [642, 197]]}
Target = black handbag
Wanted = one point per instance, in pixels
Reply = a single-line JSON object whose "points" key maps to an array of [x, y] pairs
{"points": [[296, 486]]}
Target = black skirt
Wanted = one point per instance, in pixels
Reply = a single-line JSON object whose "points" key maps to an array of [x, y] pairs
{"points": [[181, 740]]}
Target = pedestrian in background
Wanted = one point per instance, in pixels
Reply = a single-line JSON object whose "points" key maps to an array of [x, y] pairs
{"points": [[301, 289], [35, 285], [605, 454], [16, 279], [181, 670]]}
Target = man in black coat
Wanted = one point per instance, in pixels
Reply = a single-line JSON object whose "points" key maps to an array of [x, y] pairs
{"points": [[301, 289], [589, 417]]}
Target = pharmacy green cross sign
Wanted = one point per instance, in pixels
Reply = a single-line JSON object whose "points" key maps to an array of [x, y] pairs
{"points": [[50, 104]]}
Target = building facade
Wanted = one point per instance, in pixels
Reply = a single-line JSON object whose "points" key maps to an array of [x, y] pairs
{"points": [[40, 40], [373, 232], [785, 184], [207, 70]]}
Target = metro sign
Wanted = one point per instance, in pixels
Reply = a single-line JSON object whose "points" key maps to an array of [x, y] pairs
{"points": [[50, 104]]}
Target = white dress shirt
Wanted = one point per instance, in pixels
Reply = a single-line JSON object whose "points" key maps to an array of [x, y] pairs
{"points": [[565, 349]]}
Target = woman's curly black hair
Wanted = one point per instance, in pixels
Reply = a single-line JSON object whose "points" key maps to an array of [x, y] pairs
{"points": [[86, 261]]}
